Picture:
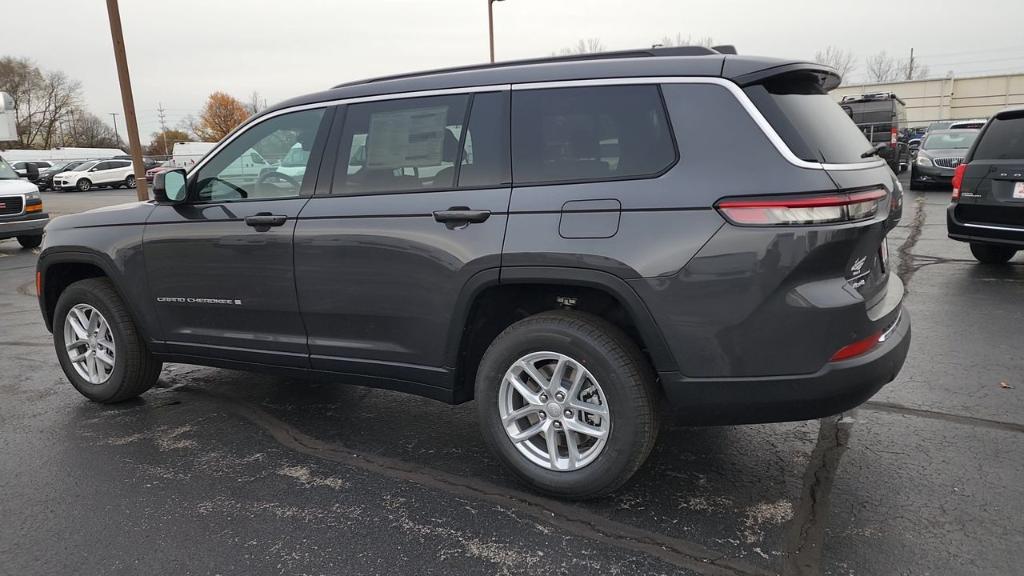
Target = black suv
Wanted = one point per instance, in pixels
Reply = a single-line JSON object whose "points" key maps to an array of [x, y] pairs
{"points": [[882, 117], [987, 208], [570, 242]]}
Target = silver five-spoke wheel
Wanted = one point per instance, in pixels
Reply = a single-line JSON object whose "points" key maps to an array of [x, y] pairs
{"points": [[90, 343], [554, 411]]}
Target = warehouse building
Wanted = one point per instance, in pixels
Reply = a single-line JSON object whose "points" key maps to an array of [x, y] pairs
{"points": [[949, 98]]}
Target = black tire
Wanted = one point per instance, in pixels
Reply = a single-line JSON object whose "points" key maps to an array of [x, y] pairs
{"points": [[624, 374], [83, 185], [30, 241], [129, 182], [135, 368], [991, 254]]}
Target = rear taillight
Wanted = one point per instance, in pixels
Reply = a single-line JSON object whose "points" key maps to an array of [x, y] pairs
{"points": [[802, 209], [893, 137], [958, 179]]}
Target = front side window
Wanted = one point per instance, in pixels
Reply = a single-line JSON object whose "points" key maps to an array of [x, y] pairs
{"points": [[400, 145], [253, 166], [590, 134]]}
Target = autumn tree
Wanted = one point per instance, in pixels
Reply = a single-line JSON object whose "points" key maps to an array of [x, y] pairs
{"points": [[221, 114], [163, 142]]}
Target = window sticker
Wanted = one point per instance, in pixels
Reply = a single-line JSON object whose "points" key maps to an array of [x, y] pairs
{"points": [[406, 138]]}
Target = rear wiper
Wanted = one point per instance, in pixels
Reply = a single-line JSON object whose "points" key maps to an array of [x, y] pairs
{"points": [[875, 150]]}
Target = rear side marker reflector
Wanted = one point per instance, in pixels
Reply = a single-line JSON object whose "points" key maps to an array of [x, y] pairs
{"points": [[867, 344], [802, 209], [857, 348]]}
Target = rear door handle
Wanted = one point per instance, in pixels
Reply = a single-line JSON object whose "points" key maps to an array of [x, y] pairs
{"points": [[265, 220], [460, 216]]}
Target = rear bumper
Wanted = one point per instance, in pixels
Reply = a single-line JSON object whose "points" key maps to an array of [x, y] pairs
{"points": [[981, 232], [837, 387], [30, 225]]}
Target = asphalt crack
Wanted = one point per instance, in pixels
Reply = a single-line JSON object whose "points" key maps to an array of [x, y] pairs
{"points": [[805, 531], [572, 519], [908, 265]]}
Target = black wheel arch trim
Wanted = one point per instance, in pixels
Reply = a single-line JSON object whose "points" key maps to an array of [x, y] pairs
{"points": [[52, 256], [653, 340]]}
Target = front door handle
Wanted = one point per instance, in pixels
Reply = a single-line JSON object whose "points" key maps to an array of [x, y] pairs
{"points": [[265, 220], [457, 216]]}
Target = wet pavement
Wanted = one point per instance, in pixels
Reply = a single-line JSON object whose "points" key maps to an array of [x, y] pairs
{"points": [[226, 472]]}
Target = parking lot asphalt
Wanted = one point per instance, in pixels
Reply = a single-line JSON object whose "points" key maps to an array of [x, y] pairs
{"points": [[225, 472]]}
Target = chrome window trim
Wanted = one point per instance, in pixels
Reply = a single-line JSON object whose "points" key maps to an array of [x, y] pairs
{"points": [[732, 87], [991, 227]]}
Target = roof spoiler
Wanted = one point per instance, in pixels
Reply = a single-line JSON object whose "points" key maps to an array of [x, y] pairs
{"points": [[825, 76]]}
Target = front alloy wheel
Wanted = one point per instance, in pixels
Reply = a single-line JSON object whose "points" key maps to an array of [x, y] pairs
{"points": [[90, 343], [554, 411]]}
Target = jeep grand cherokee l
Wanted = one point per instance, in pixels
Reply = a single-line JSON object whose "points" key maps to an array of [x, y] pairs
{"points": [[568, 242]]}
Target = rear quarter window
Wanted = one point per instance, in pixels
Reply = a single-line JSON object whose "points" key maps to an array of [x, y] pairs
{"points": [[809, 121], [590, 134], [1002, 140]]}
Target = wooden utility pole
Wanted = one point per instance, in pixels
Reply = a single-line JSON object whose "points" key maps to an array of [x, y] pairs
{"points": [[490, 24], [910, 66], [126, 98]]}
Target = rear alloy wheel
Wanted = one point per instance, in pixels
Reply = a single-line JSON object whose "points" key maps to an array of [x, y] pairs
{"points": [[990, 254], [97, 344], [30, 241], [129, 182], [567, 402], [84, 185]]}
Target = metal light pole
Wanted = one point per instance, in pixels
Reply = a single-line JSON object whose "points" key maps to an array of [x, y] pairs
{"points": [[490, 24], [114, 14]]}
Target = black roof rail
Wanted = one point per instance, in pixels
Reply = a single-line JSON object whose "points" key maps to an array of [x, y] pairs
{"points": [[641, 53]]}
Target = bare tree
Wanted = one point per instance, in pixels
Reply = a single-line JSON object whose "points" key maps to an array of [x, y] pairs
{"points": [[843, 61], [911, 69], [91, 132], [43, 102], [583, 46], [678, 40], [256, 103], [882, 68]]}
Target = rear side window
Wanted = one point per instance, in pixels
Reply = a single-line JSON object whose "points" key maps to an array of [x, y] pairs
{"points": [[1002, 140], [590, 134], [400, 145], [808, 120]]}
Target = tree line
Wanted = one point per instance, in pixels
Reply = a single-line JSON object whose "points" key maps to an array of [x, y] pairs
{"points": [[50, 113]]}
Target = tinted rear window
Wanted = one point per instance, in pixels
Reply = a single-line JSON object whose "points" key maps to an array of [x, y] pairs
{"points": [[590, 134], [1002, 140], [808, 120]]}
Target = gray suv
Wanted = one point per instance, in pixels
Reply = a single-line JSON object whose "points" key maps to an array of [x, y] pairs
{"points": [[577, 244]]}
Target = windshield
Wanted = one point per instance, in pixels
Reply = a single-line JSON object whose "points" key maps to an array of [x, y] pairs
{"points": [[949, 140], [6, 172], [84, 166]]}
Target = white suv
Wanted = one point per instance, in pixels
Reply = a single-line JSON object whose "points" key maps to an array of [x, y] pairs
{"points": [[99, 173]]}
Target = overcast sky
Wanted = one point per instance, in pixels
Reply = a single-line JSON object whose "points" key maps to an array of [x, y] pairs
{"points": [[181, 50]]}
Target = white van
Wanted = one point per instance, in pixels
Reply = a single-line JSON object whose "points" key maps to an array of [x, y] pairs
{"points": [[186, 154]]}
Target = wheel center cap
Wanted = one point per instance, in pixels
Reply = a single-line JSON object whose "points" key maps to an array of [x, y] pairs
{"points": [[553, 410]]}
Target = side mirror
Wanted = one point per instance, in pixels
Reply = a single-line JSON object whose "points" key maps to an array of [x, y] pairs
{"points": [[169, 187], [32, 172]]}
